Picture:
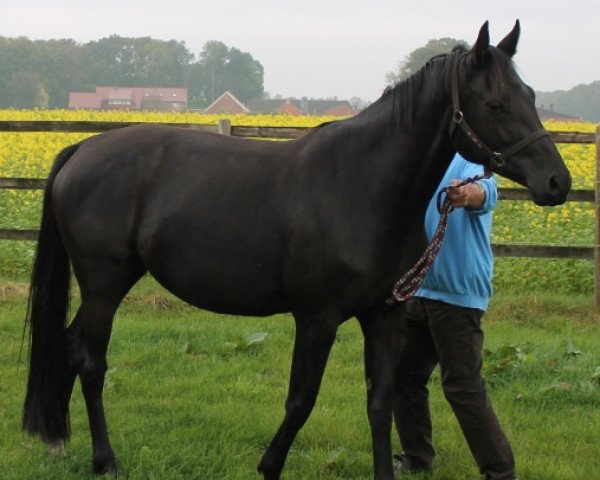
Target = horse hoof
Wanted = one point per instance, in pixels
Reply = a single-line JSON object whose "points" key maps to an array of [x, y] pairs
{"points": [[108, 468], [107, 471], [57, 449], [266, 474]]}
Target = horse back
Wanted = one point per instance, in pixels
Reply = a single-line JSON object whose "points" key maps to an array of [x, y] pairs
{"points": [[198, 210], [208, 214]]}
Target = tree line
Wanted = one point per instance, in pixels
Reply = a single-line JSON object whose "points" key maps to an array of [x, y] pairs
{"points": [[580, 101], [41, 73]]}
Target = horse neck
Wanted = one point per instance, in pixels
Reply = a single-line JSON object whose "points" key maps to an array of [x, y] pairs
{"points": [[400, 162]]}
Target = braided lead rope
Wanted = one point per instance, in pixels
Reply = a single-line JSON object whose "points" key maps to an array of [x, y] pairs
{"points": [[410, 282]]}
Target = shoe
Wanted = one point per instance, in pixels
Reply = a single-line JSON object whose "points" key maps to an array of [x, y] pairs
{"points": [[404, 463]]}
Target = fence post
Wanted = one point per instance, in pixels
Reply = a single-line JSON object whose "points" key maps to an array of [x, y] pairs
{"points": [[224, 127], [597, 226]]}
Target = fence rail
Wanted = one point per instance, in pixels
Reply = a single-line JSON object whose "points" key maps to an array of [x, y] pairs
{"points": [[502, 250], [225, 127]]}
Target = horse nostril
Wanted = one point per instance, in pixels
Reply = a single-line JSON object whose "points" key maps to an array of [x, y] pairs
{"points": [[559, 186]]}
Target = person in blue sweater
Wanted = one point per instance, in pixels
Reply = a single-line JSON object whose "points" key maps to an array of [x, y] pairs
{"points": [[443, 326]]}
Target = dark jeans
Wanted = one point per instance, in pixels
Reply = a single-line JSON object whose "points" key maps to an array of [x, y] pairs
{"points": [[437, 332]]}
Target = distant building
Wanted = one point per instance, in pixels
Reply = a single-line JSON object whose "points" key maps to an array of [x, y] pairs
{"points": [[303, 106], [226, 103], [229, 103], [131, 98], [342, 111], [175, 99], [546, 114], [288, 108]]}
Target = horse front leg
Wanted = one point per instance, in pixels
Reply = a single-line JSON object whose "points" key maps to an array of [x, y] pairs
{"points": [[314, 338], [382, 338]]}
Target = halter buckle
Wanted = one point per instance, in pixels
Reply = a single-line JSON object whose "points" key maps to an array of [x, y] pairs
{"points": [[458, 117], [496, 159]]}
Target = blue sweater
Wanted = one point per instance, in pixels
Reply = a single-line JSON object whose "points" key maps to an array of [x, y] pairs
{"points": [[462, 272]]}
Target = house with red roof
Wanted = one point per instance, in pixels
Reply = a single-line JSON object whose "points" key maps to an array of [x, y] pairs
{"points": [[303, 106], [229, 103], [226, 103], [288, 108], [131, 98], [175, 99]]}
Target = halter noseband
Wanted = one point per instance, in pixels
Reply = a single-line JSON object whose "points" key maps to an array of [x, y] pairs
{"points": [[496, 159]]}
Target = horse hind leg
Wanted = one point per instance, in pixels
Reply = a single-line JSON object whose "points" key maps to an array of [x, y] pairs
{"points": [[89, 338], [57, 447], [97, 316]]}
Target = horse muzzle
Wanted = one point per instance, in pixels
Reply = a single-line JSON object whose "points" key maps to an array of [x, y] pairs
{"points": [[552, 190]]}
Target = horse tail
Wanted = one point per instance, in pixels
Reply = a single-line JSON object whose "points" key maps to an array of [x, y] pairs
{"points": [[46, 406]]}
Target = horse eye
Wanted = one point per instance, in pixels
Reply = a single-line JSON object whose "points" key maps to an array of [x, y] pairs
{"points": [[495, 106]]}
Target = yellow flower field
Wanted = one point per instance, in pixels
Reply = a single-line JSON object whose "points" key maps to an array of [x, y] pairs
{"points": [[31, 154]]}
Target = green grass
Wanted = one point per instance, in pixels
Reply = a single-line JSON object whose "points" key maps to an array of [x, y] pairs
{"points": [[188, 398]]}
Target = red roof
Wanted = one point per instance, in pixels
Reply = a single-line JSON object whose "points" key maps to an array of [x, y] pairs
{"points": [[175, 98], [226, 103], [341, 111], [288, 108]]}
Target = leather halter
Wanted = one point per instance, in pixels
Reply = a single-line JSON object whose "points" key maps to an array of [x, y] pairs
{"points": [[495, 159]]}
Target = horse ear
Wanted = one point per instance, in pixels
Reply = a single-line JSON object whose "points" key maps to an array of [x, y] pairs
{"points": [[509, 44], [478, 53]]}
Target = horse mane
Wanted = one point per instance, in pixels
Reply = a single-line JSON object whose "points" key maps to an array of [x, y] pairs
{"points": [[434, 76]]}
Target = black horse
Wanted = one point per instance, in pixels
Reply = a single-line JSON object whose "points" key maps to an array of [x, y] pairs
{"points": [[316, 226]]}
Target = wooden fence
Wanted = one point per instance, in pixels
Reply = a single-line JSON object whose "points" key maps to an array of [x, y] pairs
{"points": [[224, 127]]}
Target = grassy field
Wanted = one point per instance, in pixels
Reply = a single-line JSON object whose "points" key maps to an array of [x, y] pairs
{"points": [[189, 396]]}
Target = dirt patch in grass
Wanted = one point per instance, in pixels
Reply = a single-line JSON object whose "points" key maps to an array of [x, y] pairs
{"points": [[13, 290]]}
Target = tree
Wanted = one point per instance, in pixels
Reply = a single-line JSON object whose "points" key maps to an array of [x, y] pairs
{"points": [[167, 63], [131, 62], [19, 80], [419, 57], [244, 76], [60, 67], [221, 68], [24, 87], [213, 59]]}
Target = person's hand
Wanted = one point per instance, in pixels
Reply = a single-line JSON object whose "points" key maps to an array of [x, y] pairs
{"points": [[470, 195]]}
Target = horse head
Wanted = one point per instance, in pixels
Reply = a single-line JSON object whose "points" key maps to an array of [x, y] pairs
{"points": [[500, 108]]}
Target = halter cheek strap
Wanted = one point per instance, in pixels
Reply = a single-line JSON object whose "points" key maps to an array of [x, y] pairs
{"points": [[495, 159]]}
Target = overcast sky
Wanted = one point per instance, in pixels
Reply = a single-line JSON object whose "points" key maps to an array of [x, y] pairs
{"points": [[326, 48]]}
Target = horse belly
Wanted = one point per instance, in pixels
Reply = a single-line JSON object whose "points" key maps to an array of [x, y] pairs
{"points": [[216, 272]]}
